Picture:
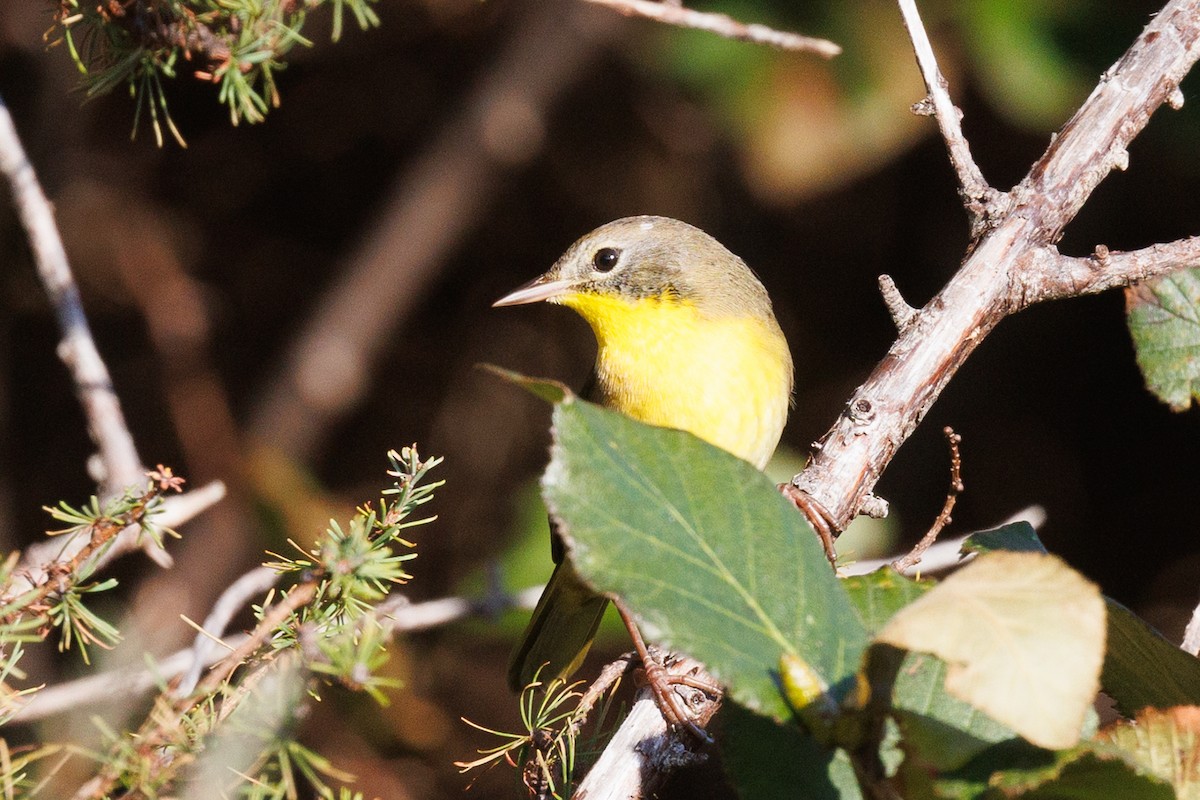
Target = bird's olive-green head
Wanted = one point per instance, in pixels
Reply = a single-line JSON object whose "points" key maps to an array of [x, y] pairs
{"points": [[638, 258]]}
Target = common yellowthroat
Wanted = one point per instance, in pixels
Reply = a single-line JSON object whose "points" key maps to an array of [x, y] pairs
{"points": [[686, 339]]}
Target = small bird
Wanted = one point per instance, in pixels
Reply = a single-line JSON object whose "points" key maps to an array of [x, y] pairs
{"points": [[686, 339]]}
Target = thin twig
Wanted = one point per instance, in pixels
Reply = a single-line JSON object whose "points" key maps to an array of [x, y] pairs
{"points": [[973, 186], [38, 558], [114, 686], [943, 519], [398, 613], [946, 552], [119, 459], [608, 678], [300, 595], [721, 25], [232, 600]]}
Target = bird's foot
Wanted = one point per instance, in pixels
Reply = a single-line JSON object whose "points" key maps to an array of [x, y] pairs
{"points": [[679, 708], [820, 519], [663, 676]]}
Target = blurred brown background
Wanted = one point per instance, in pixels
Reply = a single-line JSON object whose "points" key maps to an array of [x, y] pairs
{"points": [[454, 153]]}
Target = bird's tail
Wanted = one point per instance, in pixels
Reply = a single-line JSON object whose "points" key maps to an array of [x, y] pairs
{"points": [[560, 631]]}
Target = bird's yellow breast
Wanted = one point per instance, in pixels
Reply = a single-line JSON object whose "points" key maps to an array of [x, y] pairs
{"points": [[727, 380]]}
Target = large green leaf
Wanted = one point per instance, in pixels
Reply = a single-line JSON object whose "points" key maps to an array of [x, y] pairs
{"points": [[1023, 636], [1016, 537], [1142, 669], [769, 761], [704, 549], [1164, 320], [878, 595]]}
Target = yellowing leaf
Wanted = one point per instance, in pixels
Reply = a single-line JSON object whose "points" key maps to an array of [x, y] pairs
{"points": [[1023, 637], [1166, 743], [1164, 320]]}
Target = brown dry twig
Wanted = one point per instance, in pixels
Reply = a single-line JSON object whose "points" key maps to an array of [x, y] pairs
{"points": [[672, 13], [397, 614], [943, 519], [55, 577], [298, 596]]}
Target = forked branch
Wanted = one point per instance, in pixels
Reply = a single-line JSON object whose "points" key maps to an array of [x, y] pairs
{"points": [[1014, 263]]}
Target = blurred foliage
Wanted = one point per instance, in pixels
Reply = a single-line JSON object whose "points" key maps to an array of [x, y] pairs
{"points": [[324, 629]]}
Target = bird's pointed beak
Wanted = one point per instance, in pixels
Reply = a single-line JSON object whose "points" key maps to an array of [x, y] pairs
{"points": [[538, 289]]}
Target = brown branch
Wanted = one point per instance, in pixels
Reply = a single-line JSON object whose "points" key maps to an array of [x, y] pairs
{"points": [[1051, 275], [675, 14], [38, 559], [902, 313], [994, 279], [397, 614], [907, 562], [300, 595], [208, 642], [62, 573]]}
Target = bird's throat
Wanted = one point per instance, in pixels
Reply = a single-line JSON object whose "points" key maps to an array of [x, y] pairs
{"points": [[660, 360]]}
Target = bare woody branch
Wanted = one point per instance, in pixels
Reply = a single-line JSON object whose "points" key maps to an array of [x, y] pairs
{"points": [[972, 185], [176, 510], [1051, 275], [119, 459], [1004, 272], [914, 556], [721, 25], [643, 752]]}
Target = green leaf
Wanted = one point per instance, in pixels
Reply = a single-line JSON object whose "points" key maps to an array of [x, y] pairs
{"points": [[940, 731], [769, 761], [1018, 770], [877, 596], [1142, 669], [1017, 537], [1023, 636], [549, 390], [1164, 320], [702, 546], [1165, 744], [1084, 773]]}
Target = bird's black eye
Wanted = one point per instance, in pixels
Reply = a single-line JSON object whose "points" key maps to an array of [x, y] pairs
{"points": [[606, 258]]}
